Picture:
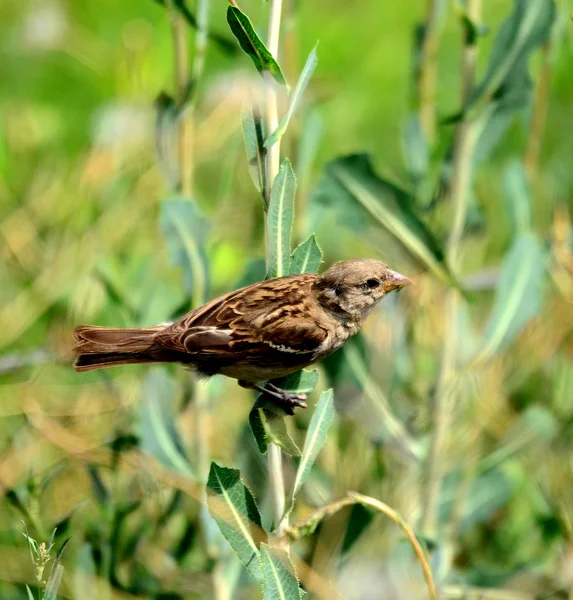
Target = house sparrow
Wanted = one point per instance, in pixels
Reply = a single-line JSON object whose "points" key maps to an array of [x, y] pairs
{"points": [[257, 333]]}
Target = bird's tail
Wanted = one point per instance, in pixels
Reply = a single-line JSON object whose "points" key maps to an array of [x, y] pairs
{"points": [[101, 347]]}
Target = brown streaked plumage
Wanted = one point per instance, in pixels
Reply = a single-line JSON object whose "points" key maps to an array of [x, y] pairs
{"points": [[258, 333]]}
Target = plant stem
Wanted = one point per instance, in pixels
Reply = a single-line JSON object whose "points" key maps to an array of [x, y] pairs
{"points": [[271, 117], [272, 165], [181, 69], [428, 72], [461, 181], [539, 113]]}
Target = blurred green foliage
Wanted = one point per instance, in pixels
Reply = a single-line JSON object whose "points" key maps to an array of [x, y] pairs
{"points": [[92, 231]]}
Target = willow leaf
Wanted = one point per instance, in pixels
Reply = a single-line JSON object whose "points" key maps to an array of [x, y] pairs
{"points": [[186, 230], [519, 295], [253, 134], [315, 438], [233, 507], [295, 97], [351, 181], [280, 582], [526, 28], [268, 426], [252, 45], [280, 220], [158, 432], [306, 257]]}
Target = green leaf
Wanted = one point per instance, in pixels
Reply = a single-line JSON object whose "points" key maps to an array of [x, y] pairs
{"points": [[518, 297], [186, 231], [352, 178], [268, 422], [491, 124], [233, 507], [253, 134], [280, 582], [308, 146], [280, 220], [268, 426], [30, 595], [252, 45], [315, 438], [295, 97], [306, 257], [223, 43], [518, 197], [301, 382], [54, 583], [157, 423], [166, 132], [527, 27], [416, 149]]}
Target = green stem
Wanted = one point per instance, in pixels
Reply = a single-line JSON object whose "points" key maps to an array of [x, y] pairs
{"points": [[181, 67], [428, 74], [444, 396], [272, 165]]}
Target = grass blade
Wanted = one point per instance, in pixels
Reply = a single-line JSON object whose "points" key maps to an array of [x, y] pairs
{"points": [[280, 220], [233, 507], [29, 592], [295, 97], [280, 582], [252, 45]]}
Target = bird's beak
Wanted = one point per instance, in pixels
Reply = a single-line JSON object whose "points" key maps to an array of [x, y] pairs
{"points": [[396, 281]]}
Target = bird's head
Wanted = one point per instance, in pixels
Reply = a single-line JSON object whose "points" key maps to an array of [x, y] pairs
{"points": [[354, 287]]}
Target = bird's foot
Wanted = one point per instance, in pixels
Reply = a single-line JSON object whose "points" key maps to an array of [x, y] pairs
{"points": [[288, 401]]}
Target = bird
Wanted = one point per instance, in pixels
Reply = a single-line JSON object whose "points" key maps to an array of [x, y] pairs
{"points": [[256, 334]]}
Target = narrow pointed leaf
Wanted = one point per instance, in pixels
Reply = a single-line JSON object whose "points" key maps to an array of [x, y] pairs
{"points": [[416, 151], [157, 424], [280, 582], [518, 197], [526, 28], [351, 181], [186, 231], [253, 134], [315, 438], [306, 257], [54, 583], [29, 592], [280, 220], [226, 45], [295, 97], [252, 45], [518, 297], [233, 507]]}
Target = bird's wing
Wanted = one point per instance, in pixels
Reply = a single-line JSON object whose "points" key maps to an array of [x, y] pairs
{"points": [[273, 314]]}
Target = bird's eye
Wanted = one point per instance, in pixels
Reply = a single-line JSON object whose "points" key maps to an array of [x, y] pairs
{"points": [[372, 283]]}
